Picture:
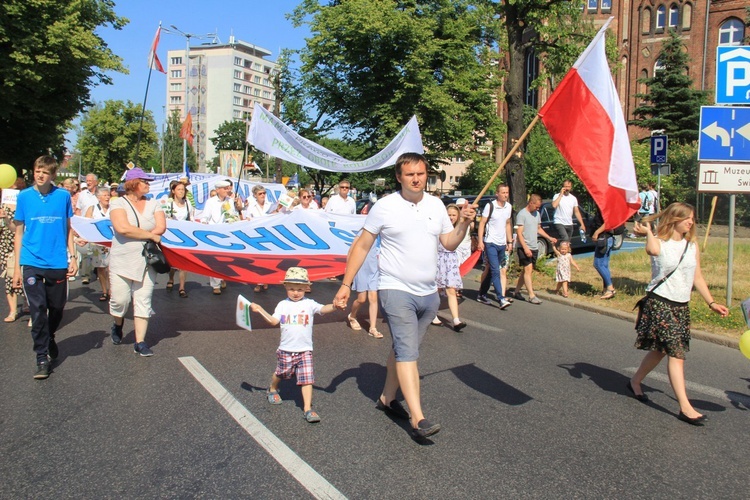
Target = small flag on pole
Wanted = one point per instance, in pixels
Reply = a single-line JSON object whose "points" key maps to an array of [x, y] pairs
{"points": [[243, 313], [186, 132], [153, 59]]}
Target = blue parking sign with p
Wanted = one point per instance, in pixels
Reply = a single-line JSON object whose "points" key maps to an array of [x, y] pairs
{"points": [[658, 149], [733, 74]]}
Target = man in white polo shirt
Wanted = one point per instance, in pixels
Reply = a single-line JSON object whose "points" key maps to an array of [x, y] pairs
{"points": [[342, 204], [410, 224], [566, 205]]}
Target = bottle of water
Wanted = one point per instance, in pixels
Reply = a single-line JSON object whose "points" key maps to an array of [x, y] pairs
{"points": [[583, 235]]}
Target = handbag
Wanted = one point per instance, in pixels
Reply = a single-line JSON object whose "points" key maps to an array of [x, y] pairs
{"points": [[642, 300], [10, 265], [602, 241], [151, 250]]}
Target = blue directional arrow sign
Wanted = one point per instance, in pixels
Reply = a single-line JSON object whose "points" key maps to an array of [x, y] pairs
{"points": [[724, 134]]}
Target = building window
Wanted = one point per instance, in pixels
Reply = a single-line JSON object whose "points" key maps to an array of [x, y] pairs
{"points": [[256, 92], [266, 82], [623, 82], [256, 79], [246, 89], [646, 20], [661, 14], [175, 87], [606, 5], [731, 32], [256, 66], [237, 61], [176, 60], [237, 87], [658, 66], [176, 73], [687, 16], [266, 94], [674, 14], [237, 73], [593, 4], [236, 113], [175, 99], [237, 101]]}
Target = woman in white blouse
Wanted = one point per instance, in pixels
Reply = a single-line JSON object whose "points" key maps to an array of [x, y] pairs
{"points": [[179, 208]]}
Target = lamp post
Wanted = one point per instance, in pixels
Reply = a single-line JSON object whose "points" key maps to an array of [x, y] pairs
{"points": [[174, 30]]}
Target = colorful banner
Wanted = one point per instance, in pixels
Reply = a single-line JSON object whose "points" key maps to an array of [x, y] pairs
{"points": [[201, 185], [230, 162], [254, 251], [270, 135]]}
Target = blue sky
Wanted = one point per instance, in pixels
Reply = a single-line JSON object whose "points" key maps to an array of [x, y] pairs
{"points": [[261, 22]]}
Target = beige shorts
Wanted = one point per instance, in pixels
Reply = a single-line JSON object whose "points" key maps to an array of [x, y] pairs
{"points": [[140, 291]]}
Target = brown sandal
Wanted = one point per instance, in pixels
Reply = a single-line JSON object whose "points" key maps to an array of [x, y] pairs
{"points": [[183, 293]]}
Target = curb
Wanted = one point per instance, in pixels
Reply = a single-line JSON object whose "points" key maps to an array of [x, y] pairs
{"points": [[614, 313]]}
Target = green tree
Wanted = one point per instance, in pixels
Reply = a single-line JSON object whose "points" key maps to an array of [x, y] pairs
{"points": [[50, 57], [172, 146], [108, 135], [670, 102], [369, 66], [230, 135]]}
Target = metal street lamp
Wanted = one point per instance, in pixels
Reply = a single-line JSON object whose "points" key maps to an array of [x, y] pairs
{"points": [[174, 30]]}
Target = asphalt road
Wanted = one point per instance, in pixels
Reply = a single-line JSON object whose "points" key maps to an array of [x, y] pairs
{"points": [[532, 401]]}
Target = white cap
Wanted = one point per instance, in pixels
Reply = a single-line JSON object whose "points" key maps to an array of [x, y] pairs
{"points": [[222, 184], [461, 201]]}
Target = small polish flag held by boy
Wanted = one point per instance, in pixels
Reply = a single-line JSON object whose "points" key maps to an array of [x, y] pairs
{"points": [[294, 355]]}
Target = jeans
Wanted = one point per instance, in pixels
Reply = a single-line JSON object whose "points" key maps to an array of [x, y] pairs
{"points": [[46, 291], [601, 262], [496, 259]]}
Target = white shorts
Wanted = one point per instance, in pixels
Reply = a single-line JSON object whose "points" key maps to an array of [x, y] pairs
{"points": [[140, 291]]}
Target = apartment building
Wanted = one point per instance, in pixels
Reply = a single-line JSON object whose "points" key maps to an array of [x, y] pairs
{"points": [[222, 82]]}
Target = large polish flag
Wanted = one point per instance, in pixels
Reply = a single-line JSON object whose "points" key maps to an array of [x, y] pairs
{"points": [[584, 118]]}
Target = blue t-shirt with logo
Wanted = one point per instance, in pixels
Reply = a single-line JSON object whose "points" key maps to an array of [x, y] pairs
{"points": [[45, 218]]}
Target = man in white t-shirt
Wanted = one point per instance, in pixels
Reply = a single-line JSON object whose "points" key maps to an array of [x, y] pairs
{"points": [[566, 205], [410, 223], [219, 209], [654, 197], [342, 204], [496, 223], [86, 199]]}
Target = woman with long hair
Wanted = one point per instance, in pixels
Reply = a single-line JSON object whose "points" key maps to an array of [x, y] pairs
{"points": [[100, 253], [663, 323], [179, 208], [135, 220]]}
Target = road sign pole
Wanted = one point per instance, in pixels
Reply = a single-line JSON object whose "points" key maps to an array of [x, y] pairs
{"points": [[730, 253]]}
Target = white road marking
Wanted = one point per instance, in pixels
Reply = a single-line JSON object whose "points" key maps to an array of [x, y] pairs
{"points": [[313, 482], [700, 388]]}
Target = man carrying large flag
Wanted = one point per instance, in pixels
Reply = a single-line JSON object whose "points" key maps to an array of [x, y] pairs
{"points": [[584, 118]]}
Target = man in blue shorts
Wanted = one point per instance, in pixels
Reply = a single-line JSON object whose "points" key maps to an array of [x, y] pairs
{"points": [[44, 247], [410, 224]]}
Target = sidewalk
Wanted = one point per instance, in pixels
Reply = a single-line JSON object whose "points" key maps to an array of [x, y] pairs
{"points": [[475, 274]]}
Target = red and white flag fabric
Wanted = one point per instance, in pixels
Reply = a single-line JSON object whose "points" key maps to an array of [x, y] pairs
{"points": [[584, 118], [153, 59], [186, 132]]}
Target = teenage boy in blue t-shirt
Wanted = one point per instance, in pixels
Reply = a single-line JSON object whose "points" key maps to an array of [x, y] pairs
{"points": [[43, 242]]}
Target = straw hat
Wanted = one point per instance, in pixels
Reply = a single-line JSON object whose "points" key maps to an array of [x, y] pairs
{"points": [[296, 275]]}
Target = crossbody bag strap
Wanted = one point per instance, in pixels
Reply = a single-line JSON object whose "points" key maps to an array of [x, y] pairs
{"points": [[137, 220], [665, 278]]}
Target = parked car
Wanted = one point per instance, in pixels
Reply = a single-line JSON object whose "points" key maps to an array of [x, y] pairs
{"points": [[547, 214]]}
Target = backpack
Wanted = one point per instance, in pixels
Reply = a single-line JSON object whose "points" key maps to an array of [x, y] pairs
{"points": [[646, 203], [489, 216]]}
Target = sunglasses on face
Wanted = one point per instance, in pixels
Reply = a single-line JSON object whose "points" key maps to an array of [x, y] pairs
{"points": [[343, 187], [306, 197]]}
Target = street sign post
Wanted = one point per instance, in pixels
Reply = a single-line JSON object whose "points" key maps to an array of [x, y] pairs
{"points": [[724, 134], [733, 74]]}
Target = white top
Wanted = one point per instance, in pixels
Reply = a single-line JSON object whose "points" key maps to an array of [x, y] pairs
{"points": [[182, 212], [214, 210], [126, 255], [564, 211], [255, 210], [99, 213], [654, 198], [496, 233], [86, 199], [296, 324], [678, 287], [338, 205], [408, 241]]}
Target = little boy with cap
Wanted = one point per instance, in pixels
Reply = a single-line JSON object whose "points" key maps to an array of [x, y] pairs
{"points": [[294, 355]]}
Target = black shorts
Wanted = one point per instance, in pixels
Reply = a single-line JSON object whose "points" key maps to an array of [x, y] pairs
{"points": [[525, 261]]}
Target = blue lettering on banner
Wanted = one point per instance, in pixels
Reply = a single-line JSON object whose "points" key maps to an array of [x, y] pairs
{"points": [[265, 237], [200, 197], [104, 226], [316, 242], [185, 240], [346, 236], [203, 237]]}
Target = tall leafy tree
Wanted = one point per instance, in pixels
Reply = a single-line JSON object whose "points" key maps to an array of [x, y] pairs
{"points": [[108, 136], [670, 102], [172, 146], [230, 135], [50, 57], [369, 66]]}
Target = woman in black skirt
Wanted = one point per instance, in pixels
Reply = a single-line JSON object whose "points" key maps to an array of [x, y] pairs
{"points": [[663, 324]]}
